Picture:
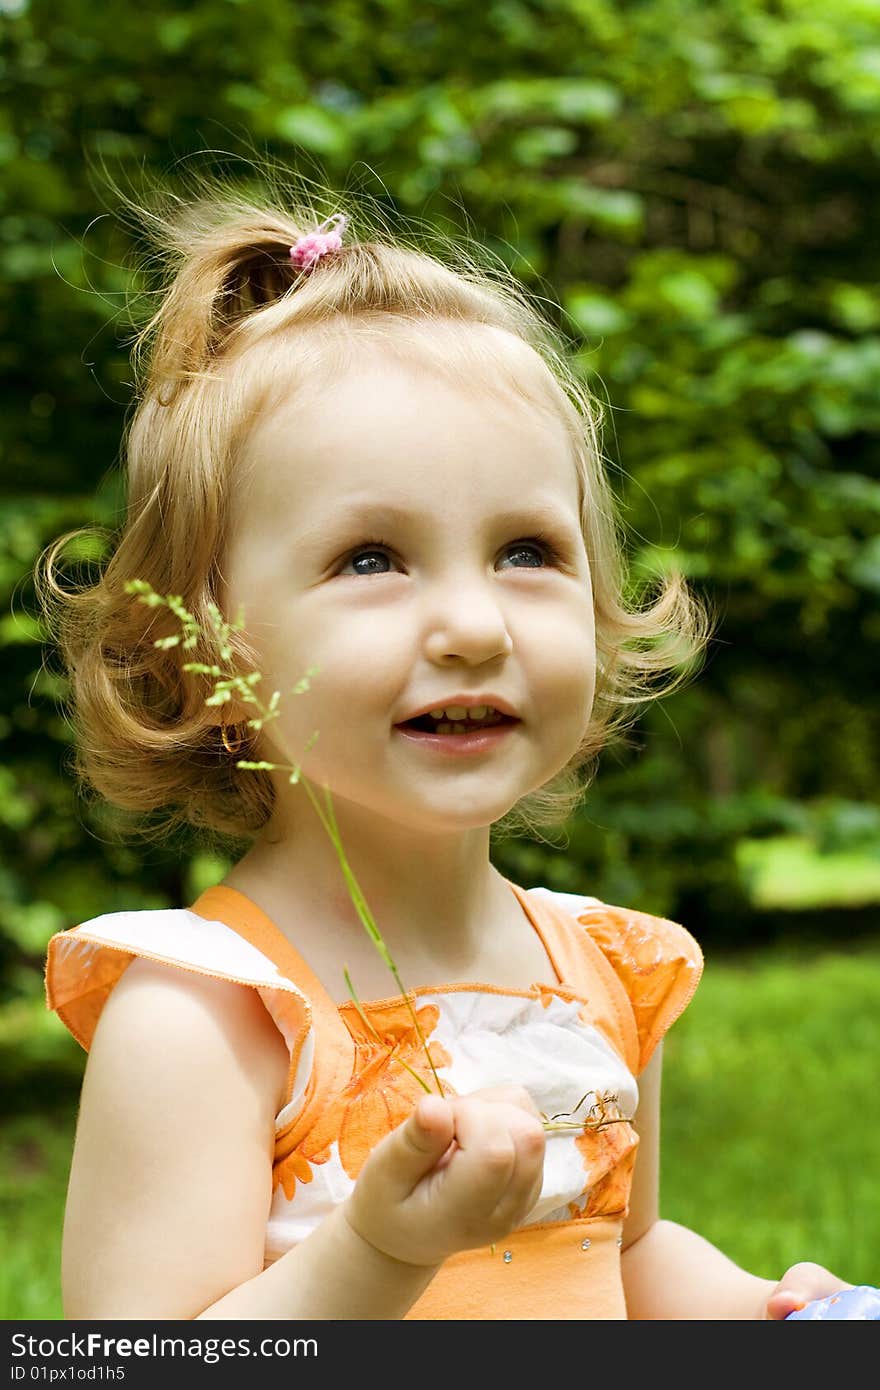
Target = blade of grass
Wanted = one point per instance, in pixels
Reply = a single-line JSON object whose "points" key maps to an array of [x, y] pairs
{"points": [[224, 684]]}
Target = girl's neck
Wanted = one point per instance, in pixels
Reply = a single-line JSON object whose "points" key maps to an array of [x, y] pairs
{"points": [[444, 913]]}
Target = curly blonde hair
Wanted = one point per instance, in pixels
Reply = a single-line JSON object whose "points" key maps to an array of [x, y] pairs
{"points": [[206, 362]]}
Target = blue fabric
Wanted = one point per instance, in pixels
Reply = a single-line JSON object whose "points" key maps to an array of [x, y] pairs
{"points": [[863, 1301]]}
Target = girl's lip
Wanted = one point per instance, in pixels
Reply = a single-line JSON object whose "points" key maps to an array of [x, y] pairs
{"points": [[459, 745]]}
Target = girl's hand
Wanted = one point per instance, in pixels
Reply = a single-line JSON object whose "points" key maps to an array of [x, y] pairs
{"points": [[460, 1172], [798, 1286]]}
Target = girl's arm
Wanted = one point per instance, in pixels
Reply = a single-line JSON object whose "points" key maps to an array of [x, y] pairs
{"points": [[670, 1272], [170, 1182]]}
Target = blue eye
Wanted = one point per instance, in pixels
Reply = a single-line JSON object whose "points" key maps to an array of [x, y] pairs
{"points": [[542, 549], [378, 558], [372, 549]]}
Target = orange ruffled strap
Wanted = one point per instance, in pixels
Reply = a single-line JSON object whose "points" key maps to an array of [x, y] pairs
{"points": [[657, 961]]}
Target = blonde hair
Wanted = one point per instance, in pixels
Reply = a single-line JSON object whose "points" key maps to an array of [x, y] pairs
{"points": [[206, 361]]}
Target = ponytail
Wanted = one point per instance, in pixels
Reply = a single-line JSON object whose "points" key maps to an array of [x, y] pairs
{"points": [[222, 271]]}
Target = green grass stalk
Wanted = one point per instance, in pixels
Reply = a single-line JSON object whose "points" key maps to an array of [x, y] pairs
{"points": [[227, 681]]}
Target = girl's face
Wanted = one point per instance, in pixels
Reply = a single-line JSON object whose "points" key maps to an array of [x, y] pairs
{"points": [[419, 544]]}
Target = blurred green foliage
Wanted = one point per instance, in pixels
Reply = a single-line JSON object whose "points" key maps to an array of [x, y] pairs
{"points": [[695, 186]]}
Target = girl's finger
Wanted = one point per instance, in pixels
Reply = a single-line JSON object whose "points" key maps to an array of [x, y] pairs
{"points": [[498, 1148], [508, 1095], [421, 1141], [799, 1286]]}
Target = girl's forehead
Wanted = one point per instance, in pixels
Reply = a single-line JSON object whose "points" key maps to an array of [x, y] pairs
{"points": [[413, 458], [365, 415], [329, 374], [386, 416], [403, 425]]}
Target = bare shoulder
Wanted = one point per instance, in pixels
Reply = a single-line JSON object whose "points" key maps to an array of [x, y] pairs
{"points": [[170, 1181], [186, 1021]]}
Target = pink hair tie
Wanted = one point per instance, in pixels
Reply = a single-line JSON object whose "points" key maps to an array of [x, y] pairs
{"points": [[310, 248]]}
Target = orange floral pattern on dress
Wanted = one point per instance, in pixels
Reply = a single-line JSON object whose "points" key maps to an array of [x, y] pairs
{"points": [[290, 1170], [547, 995], [385, 1085], [383, 1090], [649, 955], [609, 1155]]}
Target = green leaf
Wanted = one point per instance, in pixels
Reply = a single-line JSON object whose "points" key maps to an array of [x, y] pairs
{"points": [[864, 568], [596, 313], [31, 924], [582, 100], [313, 128]]}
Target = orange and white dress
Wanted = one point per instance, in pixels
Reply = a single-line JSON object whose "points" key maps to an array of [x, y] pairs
{"points": [[577, 1043]]}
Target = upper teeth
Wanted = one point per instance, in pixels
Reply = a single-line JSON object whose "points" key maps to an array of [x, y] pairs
{"points": [[458, 712]]}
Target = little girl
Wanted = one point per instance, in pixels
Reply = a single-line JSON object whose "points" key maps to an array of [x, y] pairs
{"points": [[383, 463]]}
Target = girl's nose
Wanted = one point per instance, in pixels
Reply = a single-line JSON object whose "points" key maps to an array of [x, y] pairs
{"points": [[467, 623]]}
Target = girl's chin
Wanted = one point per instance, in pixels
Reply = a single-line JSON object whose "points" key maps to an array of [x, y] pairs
{"points": [[455, 814], [416, 812]]}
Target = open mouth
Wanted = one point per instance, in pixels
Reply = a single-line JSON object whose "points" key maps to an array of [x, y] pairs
{"points": [[426, 724]]}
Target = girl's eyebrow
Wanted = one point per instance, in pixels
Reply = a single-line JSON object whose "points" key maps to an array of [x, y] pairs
{"points": [[381, 515]]}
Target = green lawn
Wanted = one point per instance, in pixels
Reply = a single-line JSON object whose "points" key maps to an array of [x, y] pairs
{"points": [[34, 1162], [771, 1127], [772, 1111], [788, 871]]}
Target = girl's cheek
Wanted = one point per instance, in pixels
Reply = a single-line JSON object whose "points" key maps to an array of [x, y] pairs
{"points": [[575, 693], [369, 652]]}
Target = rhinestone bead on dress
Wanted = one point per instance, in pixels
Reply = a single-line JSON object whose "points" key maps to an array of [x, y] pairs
{"points": [[585, 1244], [619, 1241], [507, 1256]]}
